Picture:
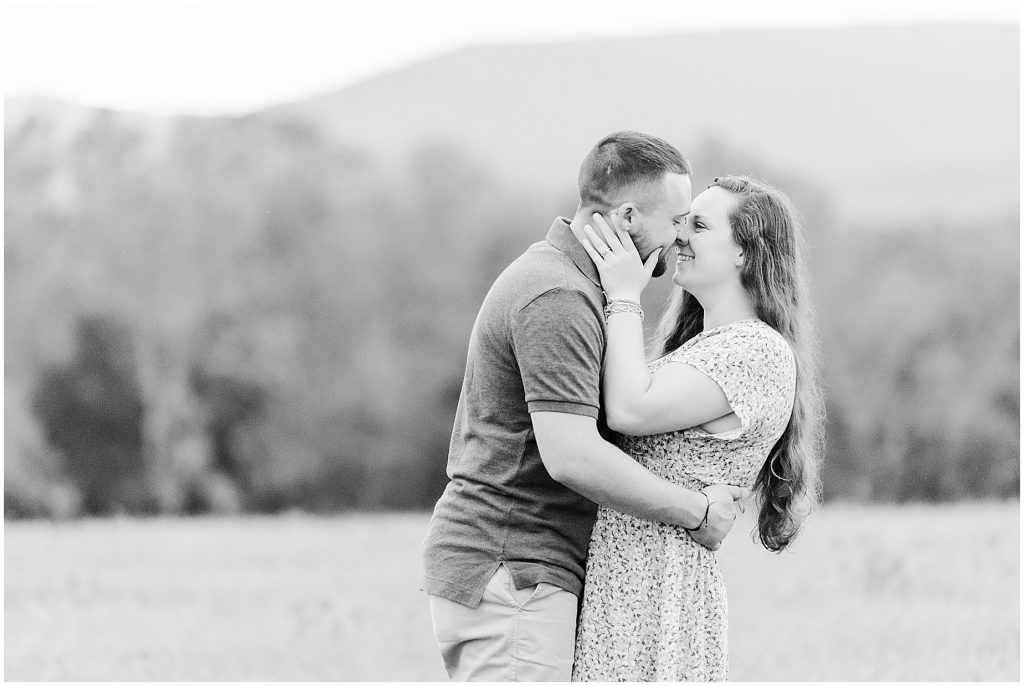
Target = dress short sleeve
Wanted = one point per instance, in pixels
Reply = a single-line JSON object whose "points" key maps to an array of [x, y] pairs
{"points": [[754, 367], [558, 339]]}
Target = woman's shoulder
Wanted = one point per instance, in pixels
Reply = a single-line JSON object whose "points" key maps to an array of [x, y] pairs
{"points": [[766, 336], [747, 334], [746, 343]]}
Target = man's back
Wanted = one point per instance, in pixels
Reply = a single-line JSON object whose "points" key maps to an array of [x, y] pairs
{"points": [[537, 345]]}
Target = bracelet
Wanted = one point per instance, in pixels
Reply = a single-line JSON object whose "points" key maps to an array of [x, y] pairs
{"points": [[623, 306], [706, 511]]}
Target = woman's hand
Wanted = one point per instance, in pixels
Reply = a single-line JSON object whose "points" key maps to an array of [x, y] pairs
{"points": [[725, 504], [624, 275]]}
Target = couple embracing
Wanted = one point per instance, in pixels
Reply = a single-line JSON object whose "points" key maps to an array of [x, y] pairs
{"points": [[589, 486]]}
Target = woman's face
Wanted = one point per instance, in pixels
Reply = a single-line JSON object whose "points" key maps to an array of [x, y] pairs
{"points": [[707, 256]]}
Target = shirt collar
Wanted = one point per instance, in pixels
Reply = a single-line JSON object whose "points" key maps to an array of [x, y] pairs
{"points": [[562, 238]]}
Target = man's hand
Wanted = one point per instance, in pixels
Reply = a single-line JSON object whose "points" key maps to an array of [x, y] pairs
{"points": [[726, 506]]}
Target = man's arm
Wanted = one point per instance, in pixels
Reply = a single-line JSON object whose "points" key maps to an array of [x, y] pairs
{"points": [[558, 339], [575, 455]]}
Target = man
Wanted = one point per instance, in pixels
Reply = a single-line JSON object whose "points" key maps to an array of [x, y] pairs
{"points": [[506, 551]]}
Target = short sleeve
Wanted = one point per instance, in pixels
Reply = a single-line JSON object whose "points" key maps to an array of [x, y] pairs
{"points": [[558, 340], [755, 369]]}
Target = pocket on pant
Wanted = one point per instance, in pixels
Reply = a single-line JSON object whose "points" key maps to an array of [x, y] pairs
{"points": [[504, 588], [542, 591], [521, 597]]}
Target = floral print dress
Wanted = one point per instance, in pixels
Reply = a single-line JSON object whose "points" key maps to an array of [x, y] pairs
{"points": [[654, 606]]}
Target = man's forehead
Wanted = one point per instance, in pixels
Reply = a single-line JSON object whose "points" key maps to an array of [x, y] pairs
{"points": [[672, 193], [678, 184], [678, 192]]}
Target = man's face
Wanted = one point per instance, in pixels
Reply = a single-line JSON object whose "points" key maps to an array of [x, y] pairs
{"points": [[660, 219]]}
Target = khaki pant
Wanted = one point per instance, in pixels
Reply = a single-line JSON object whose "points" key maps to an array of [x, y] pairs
{"points": [[525, 634]]}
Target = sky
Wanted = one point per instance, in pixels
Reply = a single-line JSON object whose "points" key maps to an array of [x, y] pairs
{"points": [[228, 57]]}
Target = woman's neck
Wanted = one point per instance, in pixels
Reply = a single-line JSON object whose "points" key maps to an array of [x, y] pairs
{"points": [[725, 307]]}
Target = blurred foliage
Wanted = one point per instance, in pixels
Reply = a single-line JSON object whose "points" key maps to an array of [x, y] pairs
{"points": [[921, 332], [229, 315], [91, 412]]}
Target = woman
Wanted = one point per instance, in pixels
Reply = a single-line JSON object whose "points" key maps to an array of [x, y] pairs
{"points": [[732, 398]]}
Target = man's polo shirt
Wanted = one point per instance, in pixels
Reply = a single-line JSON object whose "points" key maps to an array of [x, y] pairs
{"points": [[537, 346]]}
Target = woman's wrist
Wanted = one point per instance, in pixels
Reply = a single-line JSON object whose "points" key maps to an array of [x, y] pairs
{"points": [[700, 506], [623, 306], [611, 296]]}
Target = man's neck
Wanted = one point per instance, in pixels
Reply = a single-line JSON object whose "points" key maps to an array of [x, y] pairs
{"points": [[584, 216]]}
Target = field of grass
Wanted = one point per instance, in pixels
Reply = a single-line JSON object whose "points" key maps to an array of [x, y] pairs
{"points": [[870, 593]]}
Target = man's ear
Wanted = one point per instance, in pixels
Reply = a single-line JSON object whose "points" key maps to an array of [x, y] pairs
{"points": [[627, 215]]}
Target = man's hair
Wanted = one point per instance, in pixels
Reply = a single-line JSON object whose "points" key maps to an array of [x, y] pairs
{"points": [[624, 166]]}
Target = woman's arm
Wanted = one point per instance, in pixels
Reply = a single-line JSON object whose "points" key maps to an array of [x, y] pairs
{"points": [[636, 401], [575, 455]]}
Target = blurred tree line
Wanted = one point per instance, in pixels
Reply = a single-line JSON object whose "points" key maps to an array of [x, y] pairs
{"points": [[231, 315]]}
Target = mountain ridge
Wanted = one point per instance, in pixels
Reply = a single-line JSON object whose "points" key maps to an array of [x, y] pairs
{"points": [[906, 123], [512, 120]]}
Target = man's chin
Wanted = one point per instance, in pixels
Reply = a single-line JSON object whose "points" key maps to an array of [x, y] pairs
{"points": [[660, 268]]}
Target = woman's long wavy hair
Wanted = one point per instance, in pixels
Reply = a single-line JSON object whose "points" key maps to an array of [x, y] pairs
{"points": [[774, 274]]}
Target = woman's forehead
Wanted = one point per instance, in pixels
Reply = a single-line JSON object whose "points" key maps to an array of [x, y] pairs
{"points": [[715, 201]]}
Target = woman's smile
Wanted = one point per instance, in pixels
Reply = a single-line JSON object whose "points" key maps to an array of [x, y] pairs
{"points": [[682, 255]]}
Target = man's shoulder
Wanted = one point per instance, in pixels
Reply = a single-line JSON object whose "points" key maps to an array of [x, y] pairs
{"points": [[543, 268], [541, 256]]}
